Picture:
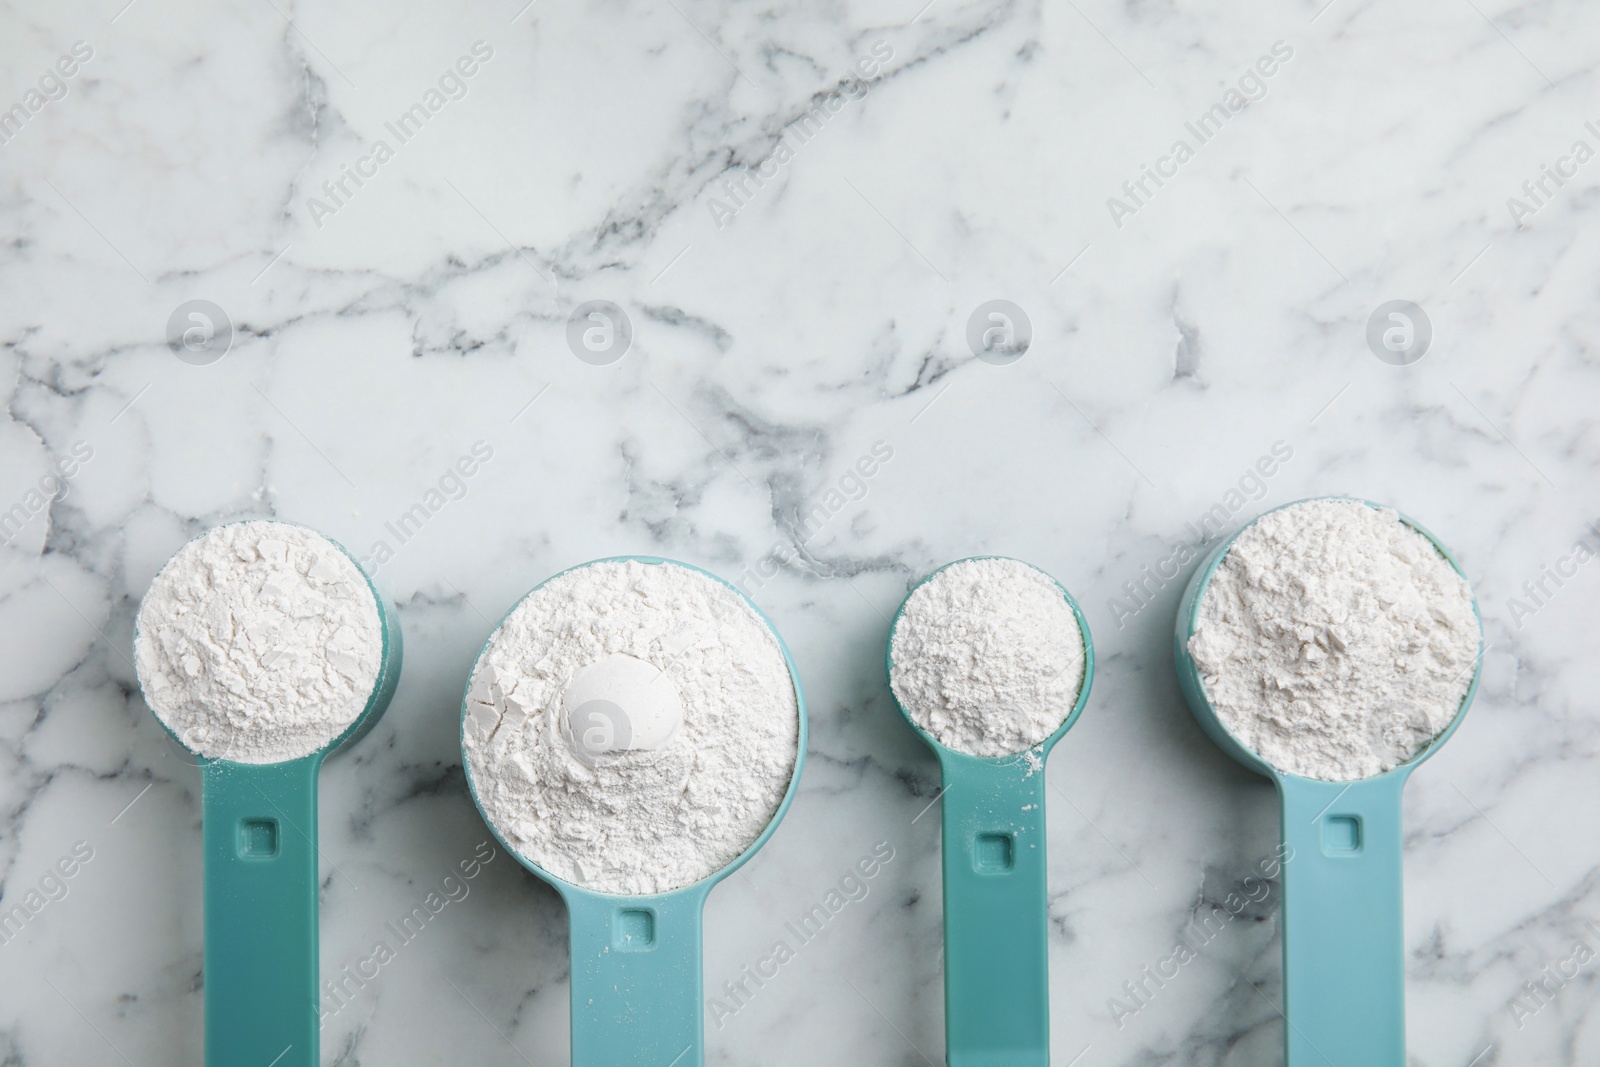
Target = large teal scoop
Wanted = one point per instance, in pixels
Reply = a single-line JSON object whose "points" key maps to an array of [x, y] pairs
{"points": [[1343, 936], [996, 900], [259, 840], [636, 960]]}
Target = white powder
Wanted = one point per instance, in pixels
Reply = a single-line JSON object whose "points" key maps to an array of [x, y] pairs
{"points": [[1334, 641], [258, 642], [631, 728], [987, 657]]}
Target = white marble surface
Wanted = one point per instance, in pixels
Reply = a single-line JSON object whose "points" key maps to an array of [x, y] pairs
{"points": [[827, 313]]}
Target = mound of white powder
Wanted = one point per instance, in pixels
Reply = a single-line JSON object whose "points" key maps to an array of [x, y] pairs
{"points": [[987, 657], [258, 642], [676, 755], [1334, 641]]}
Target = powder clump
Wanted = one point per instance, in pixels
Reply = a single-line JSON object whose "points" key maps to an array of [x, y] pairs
{"points": [[574, 797], [258, 642], [1334, 640], [987, 657]]}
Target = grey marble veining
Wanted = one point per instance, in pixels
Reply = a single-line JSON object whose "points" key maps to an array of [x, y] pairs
{"points": [[798, 208]]}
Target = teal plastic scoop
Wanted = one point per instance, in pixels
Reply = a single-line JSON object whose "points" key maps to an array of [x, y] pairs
{"points": [[636, 960], [1343, 936], [996, 902], [259, 841]]}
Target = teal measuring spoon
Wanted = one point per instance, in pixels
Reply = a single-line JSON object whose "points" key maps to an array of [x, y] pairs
{"points": [[636, 960], [996, 897], [259, 842], [1343, 856]]}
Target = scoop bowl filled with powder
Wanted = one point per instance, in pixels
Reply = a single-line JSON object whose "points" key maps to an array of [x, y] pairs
{"points": [[1333, 639], [260, 648], [262, 642], [990, 661], [632, 732], [988, 658], [1333, 645]]}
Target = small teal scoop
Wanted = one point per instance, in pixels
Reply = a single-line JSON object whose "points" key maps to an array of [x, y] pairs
{"points": [[636, 960], [996, 898], [259, 840], [1343, 935]]}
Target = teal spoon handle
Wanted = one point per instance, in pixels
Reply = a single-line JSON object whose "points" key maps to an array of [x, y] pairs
{"points": [[260, 845], [1343, 933], [636, 979], [996, 968]]}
